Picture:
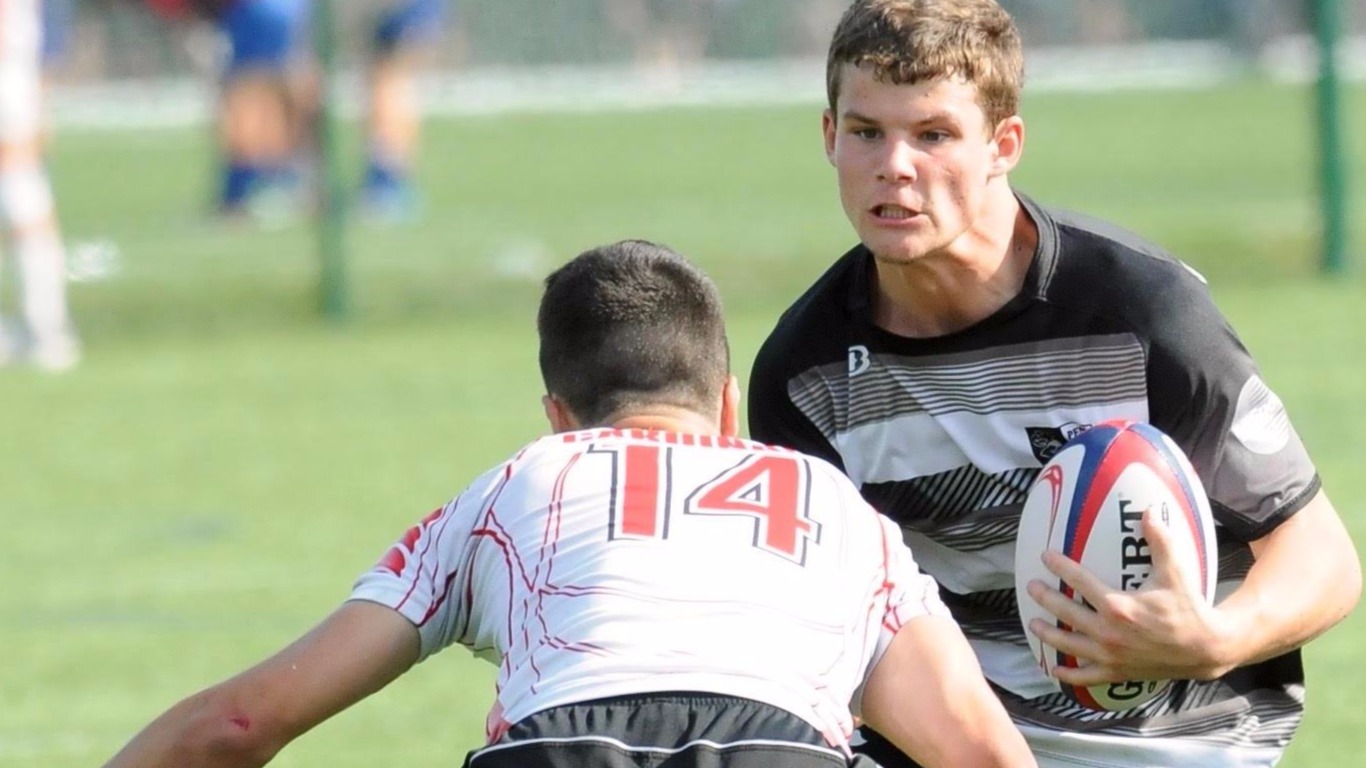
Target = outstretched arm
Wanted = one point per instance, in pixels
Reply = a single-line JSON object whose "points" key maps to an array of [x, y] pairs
{"points": [[928, 697], [246, 720], [1306, 578]]}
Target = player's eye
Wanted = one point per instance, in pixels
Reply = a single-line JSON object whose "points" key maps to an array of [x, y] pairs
{"points": [[866, 133]]}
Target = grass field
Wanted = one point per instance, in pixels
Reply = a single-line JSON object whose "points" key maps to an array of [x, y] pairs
{"points": [[210, 481]]}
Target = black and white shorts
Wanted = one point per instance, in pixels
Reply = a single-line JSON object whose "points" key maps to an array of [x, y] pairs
{"points": [[689, 730]]}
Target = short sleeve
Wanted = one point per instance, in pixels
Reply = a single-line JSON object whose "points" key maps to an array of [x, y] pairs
{"points": [[427, 574], [912, 593], [1208, 394]]}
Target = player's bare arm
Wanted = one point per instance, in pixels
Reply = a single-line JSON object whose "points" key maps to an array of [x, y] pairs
{"points": [[247, 719], [1306, 578], [928, 697]]}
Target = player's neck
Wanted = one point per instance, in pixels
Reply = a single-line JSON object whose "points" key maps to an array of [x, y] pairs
{"points": [[962, 285], [665, 418]]}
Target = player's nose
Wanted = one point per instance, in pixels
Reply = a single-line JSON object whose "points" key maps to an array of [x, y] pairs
{"points": [[897, 163]]}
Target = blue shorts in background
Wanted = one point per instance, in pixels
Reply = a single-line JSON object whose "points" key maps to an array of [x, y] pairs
{"points": [[265, 34], [409, 21]]}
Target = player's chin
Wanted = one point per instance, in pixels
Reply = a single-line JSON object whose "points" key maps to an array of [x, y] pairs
{"points": [[896, 250], [897, 240]]}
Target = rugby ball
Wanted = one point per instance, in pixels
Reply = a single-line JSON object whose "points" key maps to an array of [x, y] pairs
{"points": [[1087, 502]]}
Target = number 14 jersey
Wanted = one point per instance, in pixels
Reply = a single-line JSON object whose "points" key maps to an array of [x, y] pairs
{"points": [[609, 562]]}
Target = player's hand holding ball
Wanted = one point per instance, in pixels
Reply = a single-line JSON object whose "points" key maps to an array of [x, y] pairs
{"points": [[1115, 569], [1165, 630]]}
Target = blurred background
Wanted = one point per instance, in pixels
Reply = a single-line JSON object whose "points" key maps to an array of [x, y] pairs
{"points": [[118, 40], [124, 65], [275, 381]]}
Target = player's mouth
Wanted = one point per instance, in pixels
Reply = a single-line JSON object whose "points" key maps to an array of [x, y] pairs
{"points": [[892, 213]]}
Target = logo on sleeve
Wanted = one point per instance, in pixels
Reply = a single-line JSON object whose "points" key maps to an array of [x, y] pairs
{"points": [[1045, 442], [1260, 422]]}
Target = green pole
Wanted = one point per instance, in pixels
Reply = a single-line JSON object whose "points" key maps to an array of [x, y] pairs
{"points": [[331, 208], [1332, 158]]}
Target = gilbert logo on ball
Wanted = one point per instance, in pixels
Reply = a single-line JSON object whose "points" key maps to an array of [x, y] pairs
{"points": [[1088, 502]]}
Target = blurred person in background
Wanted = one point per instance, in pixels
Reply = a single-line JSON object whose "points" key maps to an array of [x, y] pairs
{"points": [[46, 336], [266, 102], [652, 587], [404, 36], [267, 107], [269, 102]]}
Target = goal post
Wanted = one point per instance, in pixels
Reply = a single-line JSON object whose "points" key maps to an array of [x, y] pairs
{"points": [[333, 294], [1333, 159]]}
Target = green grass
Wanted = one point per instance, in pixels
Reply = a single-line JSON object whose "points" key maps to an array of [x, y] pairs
{"points": [[210, 481]]}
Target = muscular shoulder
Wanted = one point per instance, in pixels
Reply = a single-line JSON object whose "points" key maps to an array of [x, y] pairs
{"points": [[1106, 270]]}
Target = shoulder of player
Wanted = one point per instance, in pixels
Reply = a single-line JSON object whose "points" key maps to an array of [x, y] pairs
{"points": [[550, 449], [1109, 269]]}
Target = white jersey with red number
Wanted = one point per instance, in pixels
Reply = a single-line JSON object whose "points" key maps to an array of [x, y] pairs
{"points": [[604, 563]]}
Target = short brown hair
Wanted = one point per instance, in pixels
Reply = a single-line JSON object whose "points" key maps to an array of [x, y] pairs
{"points": [[911, 41], [632, 324]]}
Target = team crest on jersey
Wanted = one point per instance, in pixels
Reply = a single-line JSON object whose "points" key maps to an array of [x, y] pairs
{"points": [[1045, 442], [859, 359]]}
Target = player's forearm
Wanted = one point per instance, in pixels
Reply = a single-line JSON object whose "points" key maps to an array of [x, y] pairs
{"points": [[928, 697], [198, 732], [1000, 746], [1306, 578], [972, 732], [980, 736]]}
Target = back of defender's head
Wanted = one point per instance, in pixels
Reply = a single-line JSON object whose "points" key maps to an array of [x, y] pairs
{"points": [[911, 41], [632, 324]]}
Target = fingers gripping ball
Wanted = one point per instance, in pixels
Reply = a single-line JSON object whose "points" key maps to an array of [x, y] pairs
{"points": [[1087, 502]]}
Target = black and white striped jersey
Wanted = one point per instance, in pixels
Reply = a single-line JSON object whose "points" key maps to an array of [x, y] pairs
{"points": [[946, 434]]}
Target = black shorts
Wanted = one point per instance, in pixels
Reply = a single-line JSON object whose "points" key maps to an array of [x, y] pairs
{"points": [[882, 751], [680, 730]]}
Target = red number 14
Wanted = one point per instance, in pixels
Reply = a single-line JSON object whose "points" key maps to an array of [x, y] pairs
{"points": [[771, 489]]}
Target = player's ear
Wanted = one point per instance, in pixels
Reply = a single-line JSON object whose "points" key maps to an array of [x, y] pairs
{"points": [[828, 130], [1009, 140], [558, 414], [730, 408]]}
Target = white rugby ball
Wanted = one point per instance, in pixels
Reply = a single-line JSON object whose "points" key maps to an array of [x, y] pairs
{"points": [[1087, 503]]}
